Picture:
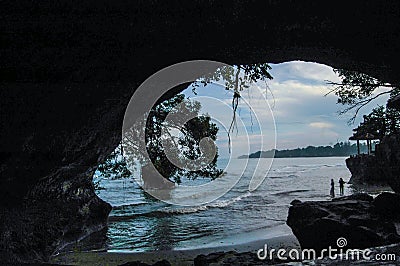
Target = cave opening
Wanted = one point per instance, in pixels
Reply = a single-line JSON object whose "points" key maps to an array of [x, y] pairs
{"points": [[68, 72], [304, 113]]}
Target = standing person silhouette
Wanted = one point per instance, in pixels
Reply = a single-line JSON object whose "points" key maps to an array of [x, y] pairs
{"points": [[341, 186], [332, 188]]}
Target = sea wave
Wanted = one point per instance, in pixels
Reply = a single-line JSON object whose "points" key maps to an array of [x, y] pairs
{"points": [[285, 193], [126, 205], [284, 176], [165, 212]]}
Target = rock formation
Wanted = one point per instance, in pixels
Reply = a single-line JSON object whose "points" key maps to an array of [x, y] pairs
{"points": [[389, 158], [363, 221], [380, 168], [366, 169], [69, 68]]}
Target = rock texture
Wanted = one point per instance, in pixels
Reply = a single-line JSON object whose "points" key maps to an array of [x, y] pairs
{"points": [[381, 168], [375, 252], [234, 258], [364, 222], [389, 156], [69, 68], [138, 263], [59, 210], [366, 169]]}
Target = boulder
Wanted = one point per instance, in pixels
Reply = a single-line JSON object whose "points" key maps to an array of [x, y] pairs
{"points": [[387, 205], [365, 169], [362, 221], [381, 168], [389, 156]]}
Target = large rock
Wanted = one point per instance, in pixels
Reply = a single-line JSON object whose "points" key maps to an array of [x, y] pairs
{"points": [[389, 158], [366, 169], [382, 168], [364, 222], [55, 214], [68, 69], [387, 205]]}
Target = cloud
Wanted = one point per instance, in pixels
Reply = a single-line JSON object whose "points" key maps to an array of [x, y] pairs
{"points": [[321, 125], [296, 95], [304, 71]]}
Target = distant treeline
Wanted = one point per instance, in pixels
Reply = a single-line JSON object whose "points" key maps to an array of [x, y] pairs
{"points": [[339, 149]]}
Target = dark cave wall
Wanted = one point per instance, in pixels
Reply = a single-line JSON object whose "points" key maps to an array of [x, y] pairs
{"points": [[80, 41], [67, 63], [69, 68]]}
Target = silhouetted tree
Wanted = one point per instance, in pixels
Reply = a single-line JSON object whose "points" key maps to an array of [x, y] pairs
{"points": [[393, 115], [235, 79], [357, 90], [380, 122], [188, 140]]}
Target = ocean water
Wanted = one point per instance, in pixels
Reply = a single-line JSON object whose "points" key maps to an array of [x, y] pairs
{"points": [[140, 223]]}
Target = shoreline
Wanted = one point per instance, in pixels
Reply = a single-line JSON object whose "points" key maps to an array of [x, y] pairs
{"points": [[175, 257]]}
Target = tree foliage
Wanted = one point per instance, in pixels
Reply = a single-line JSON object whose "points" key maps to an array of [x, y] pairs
{"points": [[357, 90], [373, 124], [114, 165], [235, 79], [188, 141], [380, 122]]}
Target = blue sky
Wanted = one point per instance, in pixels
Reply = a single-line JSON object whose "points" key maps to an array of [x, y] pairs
{"points": [[303, 115]]}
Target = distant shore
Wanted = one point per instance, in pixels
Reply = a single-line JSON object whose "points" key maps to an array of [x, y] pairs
{"points": [[342, 149], [175, 257]]}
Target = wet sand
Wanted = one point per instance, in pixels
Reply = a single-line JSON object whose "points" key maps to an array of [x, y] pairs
{"points": [[175, 257]]}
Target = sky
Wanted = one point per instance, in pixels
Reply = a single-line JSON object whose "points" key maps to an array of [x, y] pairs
{"points": [[301, 114]]}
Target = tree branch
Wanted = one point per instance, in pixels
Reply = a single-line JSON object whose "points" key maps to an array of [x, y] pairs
{"points": [[360, 105]]}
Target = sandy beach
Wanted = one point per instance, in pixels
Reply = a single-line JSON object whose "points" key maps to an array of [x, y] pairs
{"points": [[175, 257]]}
